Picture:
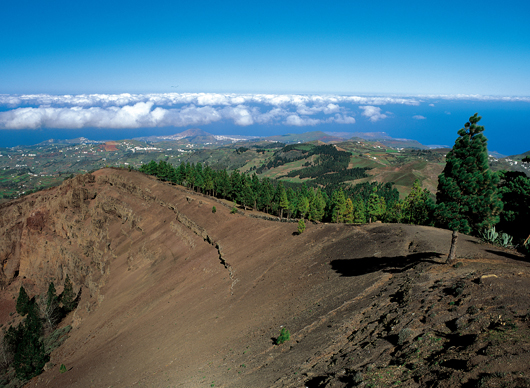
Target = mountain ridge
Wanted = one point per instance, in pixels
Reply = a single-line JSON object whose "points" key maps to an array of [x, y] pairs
{"points": [[176, 294]]}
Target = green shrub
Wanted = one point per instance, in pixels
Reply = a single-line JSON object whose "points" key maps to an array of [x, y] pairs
{"points": [[404, 335], [492, 237], [62, 369], [284, 336], [489, 235], [505, 240], [233, 210], [214, 209], [301, 226]]}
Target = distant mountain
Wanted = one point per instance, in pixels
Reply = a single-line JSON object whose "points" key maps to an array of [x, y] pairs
{"points": [[77, 140], [402, 143], [196, 135], [496, 155], [370, 135], [520, 156], [382, 138], [304, 137], [436, 146], [190, 133]]}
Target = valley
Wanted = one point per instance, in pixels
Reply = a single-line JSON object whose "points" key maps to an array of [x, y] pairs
{"points": [[26, 169]]}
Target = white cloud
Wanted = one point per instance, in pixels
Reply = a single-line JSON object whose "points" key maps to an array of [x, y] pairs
{"points": [[324, 102], [319, 102], [188, 115], [130, 116], [373, 113], [127, 110], [419, 117], [240, 114], [271, 116], [300, 122], [342, 119]]}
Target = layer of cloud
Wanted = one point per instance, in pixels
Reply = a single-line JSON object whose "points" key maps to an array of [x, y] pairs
{"points": [[419, 117], [32, 111], [231, 99], [373, 113], [177, 110], [130, 116], [309, 104]]}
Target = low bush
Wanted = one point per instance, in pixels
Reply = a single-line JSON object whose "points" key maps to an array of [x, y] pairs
{"points": [[301, 226], [493, 237], [284, 336]]}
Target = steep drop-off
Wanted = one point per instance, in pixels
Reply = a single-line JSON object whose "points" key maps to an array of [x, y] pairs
{"points": [[175, 295]]}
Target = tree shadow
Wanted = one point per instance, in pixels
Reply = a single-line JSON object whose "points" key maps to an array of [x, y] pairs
{"points": [[396, 264], [512, 256]]}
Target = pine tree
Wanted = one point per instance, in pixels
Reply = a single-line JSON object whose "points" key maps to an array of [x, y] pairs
{"points": [[30, 355], [515, 190], [467, 197], [301, 226], [376, 207], [418, 205], [348, 212], [23, 302], [394, 212], [68, 297], [359, 211], [338, 203], [247, 195], [303, 207], [266, 195], [49, 307], [317, 207], [281, 198], [51, 296], [256, 189]]}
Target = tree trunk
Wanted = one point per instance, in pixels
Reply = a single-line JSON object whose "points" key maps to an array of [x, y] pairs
{"points": [[452, 252]]}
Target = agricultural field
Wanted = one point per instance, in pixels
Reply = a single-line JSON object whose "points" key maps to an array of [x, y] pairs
{"points": [[26, 169]]}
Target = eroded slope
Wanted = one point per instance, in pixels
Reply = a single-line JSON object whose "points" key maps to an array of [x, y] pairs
{"points": [[175, 295]]}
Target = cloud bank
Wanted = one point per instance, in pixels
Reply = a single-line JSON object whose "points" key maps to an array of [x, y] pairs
{"points": [[178, 110], [33, 111]]}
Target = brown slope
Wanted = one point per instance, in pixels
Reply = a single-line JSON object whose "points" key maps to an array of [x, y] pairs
{"points": [[160, 307]]}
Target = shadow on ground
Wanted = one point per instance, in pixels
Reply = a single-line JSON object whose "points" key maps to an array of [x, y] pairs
{"points": [[508, 255], [396, 264]]}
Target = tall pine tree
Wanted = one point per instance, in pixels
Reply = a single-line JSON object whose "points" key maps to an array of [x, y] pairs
{"points": [[467, 198]]}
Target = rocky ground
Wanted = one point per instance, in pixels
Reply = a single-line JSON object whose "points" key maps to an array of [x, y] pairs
{"points": [[174, 295]]}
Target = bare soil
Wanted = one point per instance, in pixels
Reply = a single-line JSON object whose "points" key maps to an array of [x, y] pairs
{"points": [[174, 295]]}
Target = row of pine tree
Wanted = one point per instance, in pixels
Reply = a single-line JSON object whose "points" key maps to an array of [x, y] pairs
{"points": [[470, 197]]}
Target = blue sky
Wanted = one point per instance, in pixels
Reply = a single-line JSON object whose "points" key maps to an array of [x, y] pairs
{"points": [[120, 68], [405, 47]]}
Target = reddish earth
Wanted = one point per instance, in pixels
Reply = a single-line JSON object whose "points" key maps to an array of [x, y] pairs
{"points": [[174, 295], [109, 146]]}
